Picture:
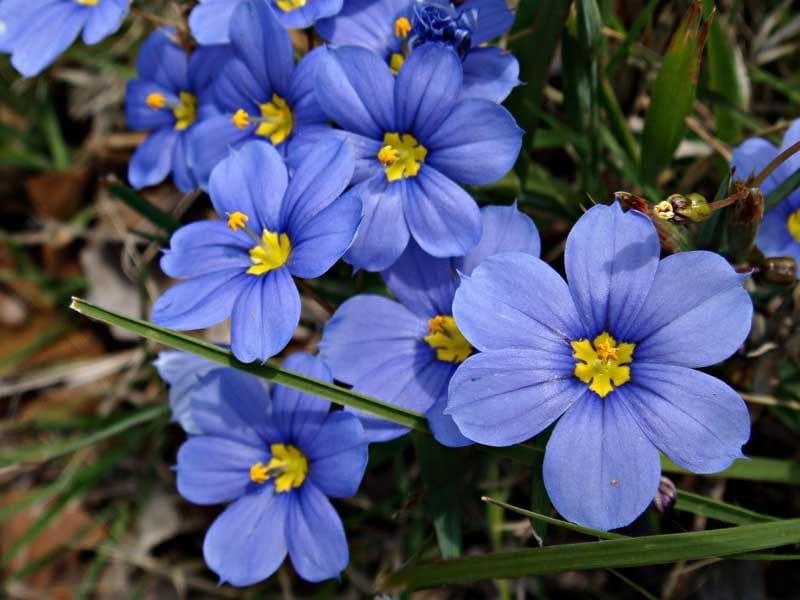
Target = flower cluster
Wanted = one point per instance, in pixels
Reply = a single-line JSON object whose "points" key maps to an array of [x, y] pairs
{"points": [[362, 149]]}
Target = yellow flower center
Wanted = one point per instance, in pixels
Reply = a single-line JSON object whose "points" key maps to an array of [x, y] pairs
{"points": [[276, 121], [185, 110], [88, 2], [288, 467], [447, 340], [402, 27], [602, 363], [271, 250], [401, 155], [793, 223], [396, 61], [290, 5]]}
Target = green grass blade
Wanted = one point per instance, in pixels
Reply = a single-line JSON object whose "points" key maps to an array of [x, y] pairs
{"points": [[721, 511], [152, 213], [630, 552], [723, 80], [673, 93]]}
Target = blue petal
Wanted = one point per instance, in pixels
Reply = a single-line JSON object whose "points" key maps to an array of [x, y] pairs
{"points": [[515, 300], [182, 371], [263, 44], [505, 229], [48, 33], [424, 284], [307, 15], [247, 542], [600, 470], [317, 542], [214, 470], [365, 23], [444, 429], [359, 91], [152, 161], [233, 405], [494, 19], [443, 218], [302, 96], [477, 143], [367, 331], [299, 415], [210, 141], [138, 114], [774, 237], [696, 314], [318, 180], [15, 15], [788, 167], [204, 247], [412, 380], [205, 63], [325, 238], [265, 316], [210, 20], [505, 397], [162, 62], [181, 174], [427, 87], [236, 87], [252, 180], [490, 73], [694, 418], [383, 234], [200, 302], [611, 258], [750, 158], [104, 19], [338, 455]]}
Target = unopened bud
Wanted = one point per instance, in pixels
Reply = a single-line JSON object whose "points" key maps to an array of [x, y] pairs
{"points": [[744, 219], [666, 495], [690, 207], [779, 269]]}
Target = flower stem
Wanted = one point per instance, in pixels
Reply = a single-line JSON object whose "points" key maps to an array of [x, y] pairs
{"points": [[775, 163]]}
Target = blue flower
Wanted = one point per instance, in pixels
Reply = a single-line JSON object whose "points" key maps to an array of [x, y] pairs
{"points": [[613, 354], [210, 20], [260, 93], [182, 372], [779, 234], [36, 32], [414, 137], [274, 229], [405, 352], [166, 99], [277, 458], [392, 28]]}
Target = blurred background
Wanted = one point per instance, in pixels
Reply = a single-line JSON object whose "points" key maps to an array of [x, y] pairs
{"points": [[88, 506]]}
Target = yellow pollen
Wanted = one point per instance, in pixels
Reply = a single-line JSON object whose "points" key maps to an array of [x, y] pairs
{"points": [[447, 340], [602, 363], [88, 2], [156, 101], [396, 61], [237, 220], [793, 223], [272, 253], [185, 111], [290, 5], [288, 467], [401, 155], [240, 118], [402, 27], [277, 120]]}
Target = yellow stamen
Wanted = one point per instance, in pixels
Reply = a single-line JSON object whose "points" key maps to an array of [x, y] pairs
{"points": [[288, 467], [237, 220], [185, 111], [402, 27], [396, 61], [290, 5], [401, 155], [156, 101], [240, 118], [88, 2], [602, 363], [793, 223], [272, 253], [277, 120], [447, 340]]}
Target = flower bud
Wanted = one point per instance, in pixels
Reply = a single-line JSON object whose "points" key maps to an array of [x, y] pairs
{"points": [[744, 219], [666, 495], [694, 207]]}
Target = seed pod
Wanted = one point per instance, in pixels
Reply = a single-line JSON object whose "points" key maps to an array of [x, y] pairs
{"points": [[779, 269], [694, 207], [744, 219]]}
